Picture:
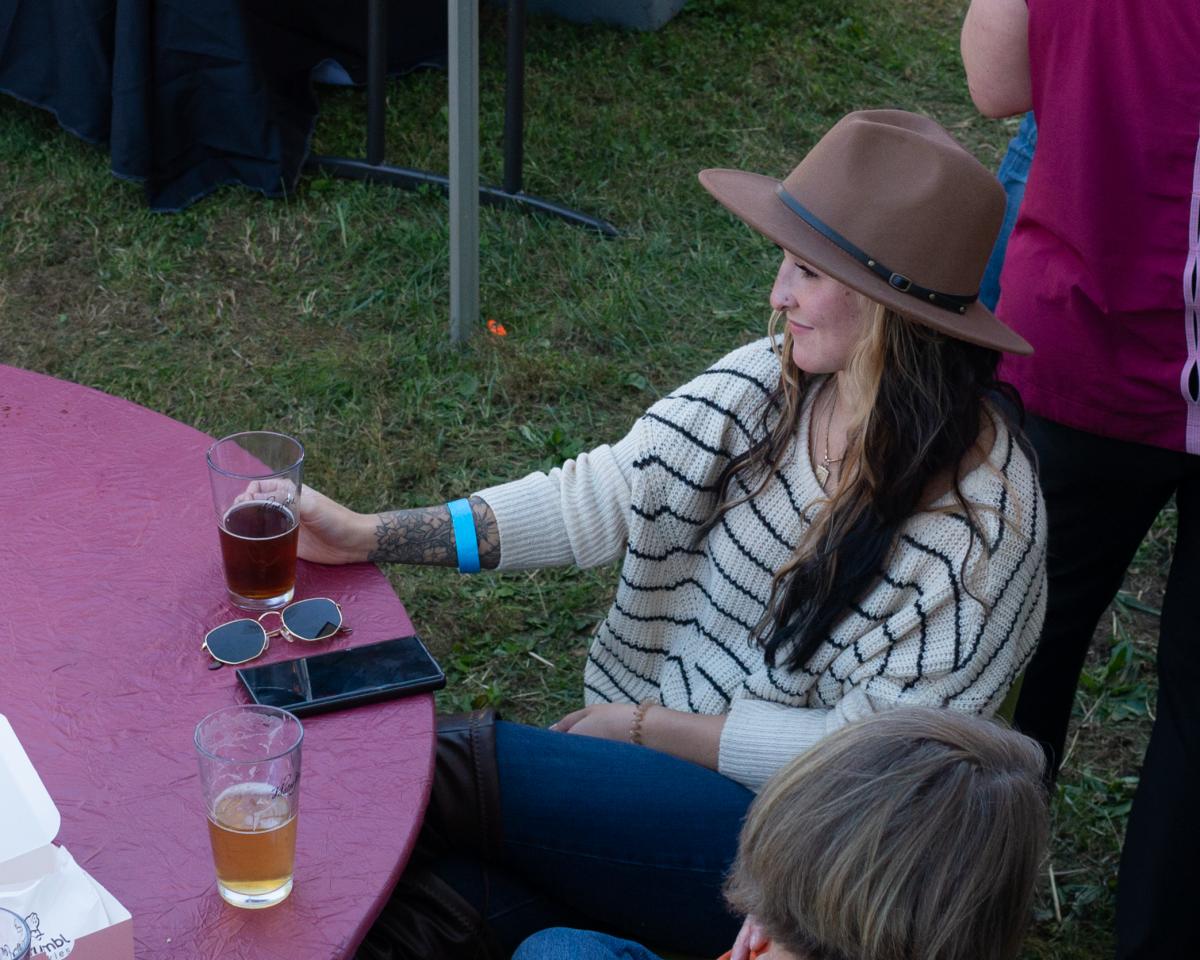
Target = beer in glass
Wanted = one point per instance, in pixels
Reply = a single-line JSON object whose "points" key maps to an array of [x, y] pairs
{"points": [[256, 483], [250, 774]]}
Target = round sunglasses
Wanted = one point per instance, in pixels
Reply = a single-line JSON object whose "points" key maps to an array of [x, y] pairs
{"points": [[240, 641]]}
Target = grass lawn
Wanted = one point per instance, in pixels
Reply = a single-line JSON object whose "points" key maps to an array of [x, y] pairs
{"points": [[326, 315]]}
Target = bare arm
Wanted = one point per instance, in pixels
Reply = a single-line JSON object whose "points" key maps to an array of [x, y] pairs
{"points": [[995, 52], [689, 736]]}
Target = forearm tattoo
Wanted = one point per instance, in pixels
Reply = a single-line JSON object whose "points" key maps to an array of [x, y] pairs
{"points": [[426, 535]]}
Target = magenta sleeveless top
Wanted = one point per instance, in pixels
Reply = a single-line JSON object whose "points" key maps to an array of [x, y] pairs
{"points": [[1101, 274]]}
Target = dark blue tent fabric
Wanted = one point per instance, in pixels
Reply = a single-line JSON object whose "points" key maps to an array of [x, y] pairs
{"points": [[192, 94]]}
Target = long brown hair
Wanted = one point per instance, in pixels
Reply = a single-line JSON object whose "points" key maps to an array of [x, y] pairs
{"points": [[922, 399], [914, 833]]}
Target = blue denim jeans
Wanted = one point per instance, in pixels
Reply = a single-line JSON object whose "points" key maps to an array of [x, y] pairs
{"points": [[1013, 172], [606, 835], [562, 943]]}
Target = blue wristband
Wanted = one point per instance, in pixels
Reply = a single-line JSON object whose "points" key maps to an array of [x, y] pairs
{"points": [[466, 540]]}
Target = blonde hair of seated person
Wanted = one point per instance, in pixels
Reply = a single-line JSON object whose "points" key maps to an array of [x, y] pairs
{"points": [[915, 834]]}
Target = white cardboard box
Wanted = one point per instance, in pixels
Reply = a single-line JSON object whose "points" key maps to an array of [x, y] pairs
{"points": [[68, 912]]}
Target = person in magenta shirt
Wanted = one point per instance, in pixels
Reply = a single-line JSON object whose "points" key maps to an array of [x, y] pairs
{"points": [[1102, 278]]}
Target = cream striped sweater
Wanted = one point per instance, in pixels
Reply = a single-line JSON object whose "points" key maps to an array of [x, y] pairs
{"points": [[678, 631]]}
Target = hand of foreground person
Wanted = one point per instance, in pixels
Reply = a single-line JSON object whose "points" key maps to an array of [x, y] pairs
{"points": [[689, 736], [611, 721], [751, 939]]}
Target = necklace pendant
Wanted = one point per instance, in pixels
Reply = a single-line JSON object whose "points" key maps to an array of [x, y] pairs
{"points": [[822, 473]]}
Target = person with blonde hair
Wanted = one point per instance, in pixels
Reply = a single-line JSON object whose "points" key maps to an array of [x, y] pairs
{"points": [[911, 835], [836, 520]]}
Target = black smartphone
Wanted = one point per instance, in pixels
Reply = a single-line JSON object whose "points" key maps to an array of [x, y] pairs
{"points": [[343, 678]]}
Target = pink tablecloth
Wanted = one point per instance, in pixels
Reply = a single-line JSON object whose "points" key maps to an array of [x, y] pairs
{"points": [[109, 577]]}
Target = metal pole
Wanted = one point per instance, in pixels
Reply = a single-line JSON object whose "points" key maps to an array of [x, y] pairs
{"points": [[376, 78], [464, 168], [514, 97]]}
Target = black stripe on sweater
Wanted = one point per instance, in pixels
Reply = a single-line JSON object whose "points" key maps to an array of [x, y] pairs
{"points": [[952, 575], [791, 495], [613, 680], [779, 537], [716, 686], [1001, 508], [652, 458], [630, 644], [995, 602], [770, 696], [687, 687], [657, 558], [901, 585], [975, 530], [647, 515], [842, 648], [598, 692], [729, 372], [1025, 554], [857, 651], [699, 586], [615, 654], [1015, 671], [855, 608], [657, 618], [1020, 616], [742, 549], [689, 622], [1004, 494], [687, 435], [912, 585], [712, 405], [761, 601], [892, 641], [641, 588], [771, 671]]}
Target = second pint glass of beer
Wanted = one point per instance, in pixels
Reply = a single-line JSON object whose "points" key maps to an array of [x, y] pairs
{"points": [[250, 775], [256, 482]]}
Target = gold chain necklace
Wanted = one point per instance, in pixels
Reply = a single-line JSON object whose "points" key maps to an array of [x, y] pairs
{"points": [[823, 471]]}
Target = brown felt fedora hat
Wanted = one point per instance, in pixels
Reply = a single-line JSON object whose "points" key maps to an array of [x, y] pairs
{"points": [[889, 204]]}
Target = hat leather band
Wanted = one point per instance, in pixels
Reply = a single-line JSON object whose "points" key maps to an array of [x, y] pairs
{"points": [[946, 301]]}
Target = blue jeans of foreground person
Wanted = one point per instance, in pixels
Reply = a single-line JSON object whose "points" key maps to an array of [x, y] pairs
{"points": [[561, 943], [1013, 172], [606, 835]]}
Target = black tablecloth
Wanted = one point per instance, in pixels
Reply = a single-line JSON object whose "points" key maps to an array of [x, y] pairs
{"points": [[192, 94]]}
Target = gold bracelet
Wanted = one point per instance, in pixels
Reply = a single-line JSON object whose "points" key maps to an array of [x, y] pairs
{"points": [[639, 716]]}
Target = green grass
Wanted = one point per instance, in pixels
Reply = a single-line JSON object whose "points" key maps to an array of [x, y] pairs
{"points": [[326, 315]]}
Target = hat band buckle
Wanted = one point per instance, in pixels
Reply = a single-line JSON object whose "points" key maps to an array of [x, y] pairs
{"points": [[897, 281]]}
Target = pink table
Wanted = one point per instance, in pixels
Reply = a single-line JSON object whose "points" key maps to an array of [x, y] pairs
{"points": [[109, 577]]}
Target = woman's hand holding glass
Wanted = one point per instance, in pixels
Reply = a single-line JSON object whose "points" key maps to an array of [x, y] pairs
{"points": [[329, 532]]}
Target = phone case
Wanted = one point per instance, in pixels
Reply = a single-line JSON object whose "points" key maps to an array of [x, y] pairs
{"points": [[286, 683]]}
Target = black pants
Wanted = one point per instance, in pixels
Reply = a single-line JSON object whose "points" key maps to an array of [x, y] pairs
{"points": [[1102, 495]]}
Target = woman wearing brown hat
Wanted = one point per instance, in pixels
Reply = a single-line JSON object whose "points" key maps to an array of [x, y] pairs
{"points": [[824, 524]]}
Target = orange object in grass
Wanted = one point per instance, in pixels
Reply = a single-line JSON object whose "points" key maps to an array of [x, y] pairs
{"points": [[496, 328]]}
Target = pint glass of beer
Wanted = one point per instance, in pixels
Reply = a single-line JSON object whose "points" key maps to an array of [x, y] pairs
{"points": [[250, 774], [256, 481]]}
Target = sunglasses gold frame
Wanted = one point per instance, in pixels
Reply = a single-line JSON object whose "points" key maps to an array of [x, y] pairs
{"points": [[281, 630]]}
